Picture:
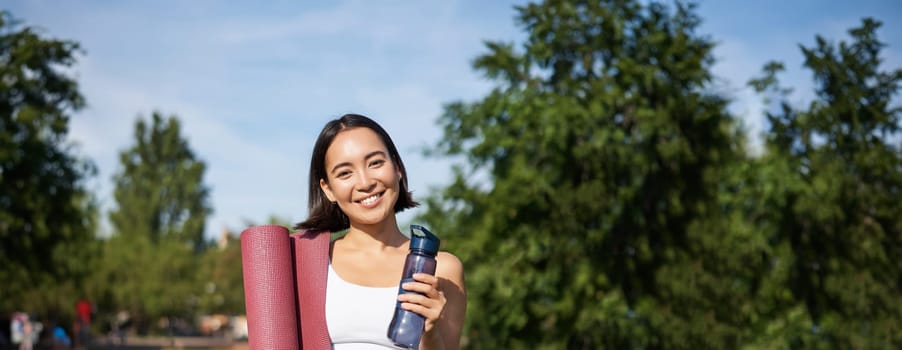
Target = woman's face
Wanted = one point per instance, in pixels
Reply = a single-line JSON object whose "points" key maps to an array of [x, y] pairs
{"points": [[361, 178]]}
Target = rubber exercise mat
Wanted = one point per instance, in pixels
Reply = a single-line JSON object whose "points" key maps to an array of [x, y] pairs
{"points": [[269, 288], [312, 249]]}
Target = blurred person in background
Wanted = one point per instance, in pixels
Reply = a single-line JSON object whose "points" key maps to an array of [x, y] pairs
{"points": [[82, 327], [25, 331]]}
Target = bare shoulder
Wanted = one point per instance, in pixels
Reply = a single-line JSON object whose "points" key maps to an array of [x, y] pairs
{"points": [[449, 267], [449, 262]]}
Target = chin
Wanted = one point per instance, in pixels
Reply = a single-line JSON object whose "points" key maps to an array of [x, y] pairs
{"points": [[374, 219]]}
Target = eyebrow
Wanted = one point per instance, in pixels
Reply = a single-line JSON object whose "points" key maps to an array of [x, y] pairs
{"points": [[368, 156]]}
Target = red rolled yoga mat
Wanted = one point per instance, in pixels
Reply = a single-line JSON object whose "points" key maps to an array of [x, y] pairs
{"points": [[269, 298], [285, 288]]}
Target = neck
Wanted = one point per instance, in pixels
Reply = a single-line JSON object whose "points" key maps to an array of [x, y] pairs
{"points": [[378, 236]]}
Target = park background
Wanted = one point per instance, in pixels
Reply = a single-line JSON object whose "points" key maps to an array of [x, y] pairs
{"points": [[606, 171]]}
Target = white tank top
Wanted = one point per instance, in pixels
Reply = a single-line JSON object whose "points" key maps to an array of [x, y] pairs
{"points": [[358, 316]]}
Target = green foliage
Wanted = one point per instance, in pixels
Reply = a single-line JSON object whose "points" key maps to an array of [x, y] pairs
{"points": [[159, 191], [158, 224], [589, 214], [221, 278], [47, 217], [607, 202], [839, 208]]}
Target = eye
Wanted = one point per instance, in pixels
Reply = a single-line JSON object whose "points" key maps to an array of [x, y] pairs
{"points": [[377, 163], [344, 174]]}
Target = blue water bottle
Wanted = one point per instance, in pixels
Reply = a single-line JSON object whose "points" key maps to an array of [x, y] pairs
{"points": [[407, 327]]}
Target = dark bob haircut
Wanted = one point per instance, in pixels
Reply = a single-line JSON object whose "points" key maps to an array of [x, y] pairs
{"points": [[323, 215]]}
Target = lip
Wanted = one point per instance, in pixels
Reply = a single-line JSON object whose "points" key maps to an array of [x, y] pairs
{"points": [[374, 203]]}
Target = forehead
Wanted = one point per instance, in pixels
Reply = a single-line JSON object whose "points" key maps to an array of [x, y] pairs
{"points": [[354, 144]]}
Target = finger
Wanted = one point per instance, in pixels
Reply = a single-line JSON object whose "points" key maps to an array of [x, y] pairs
{"points": [[431, 314], [437, 302], [416, 298], [420, 287], [426, 278]]}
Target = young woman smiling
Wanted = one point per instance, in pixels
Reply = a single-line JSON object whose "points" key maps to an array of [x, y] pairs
{"points": [[358, 183]]}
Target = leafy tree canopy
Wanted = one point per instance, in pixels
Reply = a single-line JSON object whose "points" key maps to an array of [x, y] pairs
{"points": [[158, 225], [838, 204], [47, 216], [588, 212]]}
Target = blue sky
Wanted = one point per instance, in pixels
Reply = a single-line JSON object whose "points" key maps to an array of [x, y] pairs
{"points": [[253, 83]]}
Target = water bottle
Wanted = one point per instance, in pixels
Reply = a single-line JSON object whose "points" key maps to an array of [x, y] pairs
{"points": [[406, 327]]}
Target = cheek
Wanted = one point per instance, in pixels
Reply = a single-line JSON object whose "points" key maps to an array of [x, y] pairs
{"points": [[339, 188], [394, 179], [396, 174]]}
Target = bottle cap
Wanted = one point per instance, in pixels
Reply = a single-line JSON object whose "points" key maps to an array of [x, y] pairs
{"points": [[421, 238]]}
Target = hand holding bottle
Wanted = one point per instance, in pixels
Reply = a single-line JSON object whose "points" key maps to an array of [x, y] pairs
{"points": [[427, 301]]}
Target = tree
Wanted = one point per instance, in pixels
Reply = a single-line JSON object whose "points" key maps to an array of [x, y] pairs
{"points": [[220, 278], [838, 206], [158, 223], [595, 206], [47, 217], [160, 192]]}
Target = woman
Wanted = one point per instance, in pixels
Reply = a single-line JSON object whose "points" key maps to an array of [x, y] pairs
{"points": [[358, 182]]}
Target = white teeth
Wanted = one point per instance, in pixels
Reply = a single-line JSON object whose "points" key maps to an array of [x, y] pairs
{"points": [[369, 200]]}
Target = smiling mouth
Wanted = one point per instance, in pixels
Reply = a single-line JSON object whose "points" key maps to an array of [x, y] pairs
{"points": [[371, 199]]}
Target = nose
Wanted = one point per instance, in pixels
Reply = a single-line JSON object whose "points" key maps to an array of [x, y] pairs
{"points": [[365, 182]]}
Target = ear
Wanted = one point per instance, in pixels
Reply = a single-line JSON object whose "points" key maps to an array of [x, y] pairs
{"points": [[326, 190]]}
